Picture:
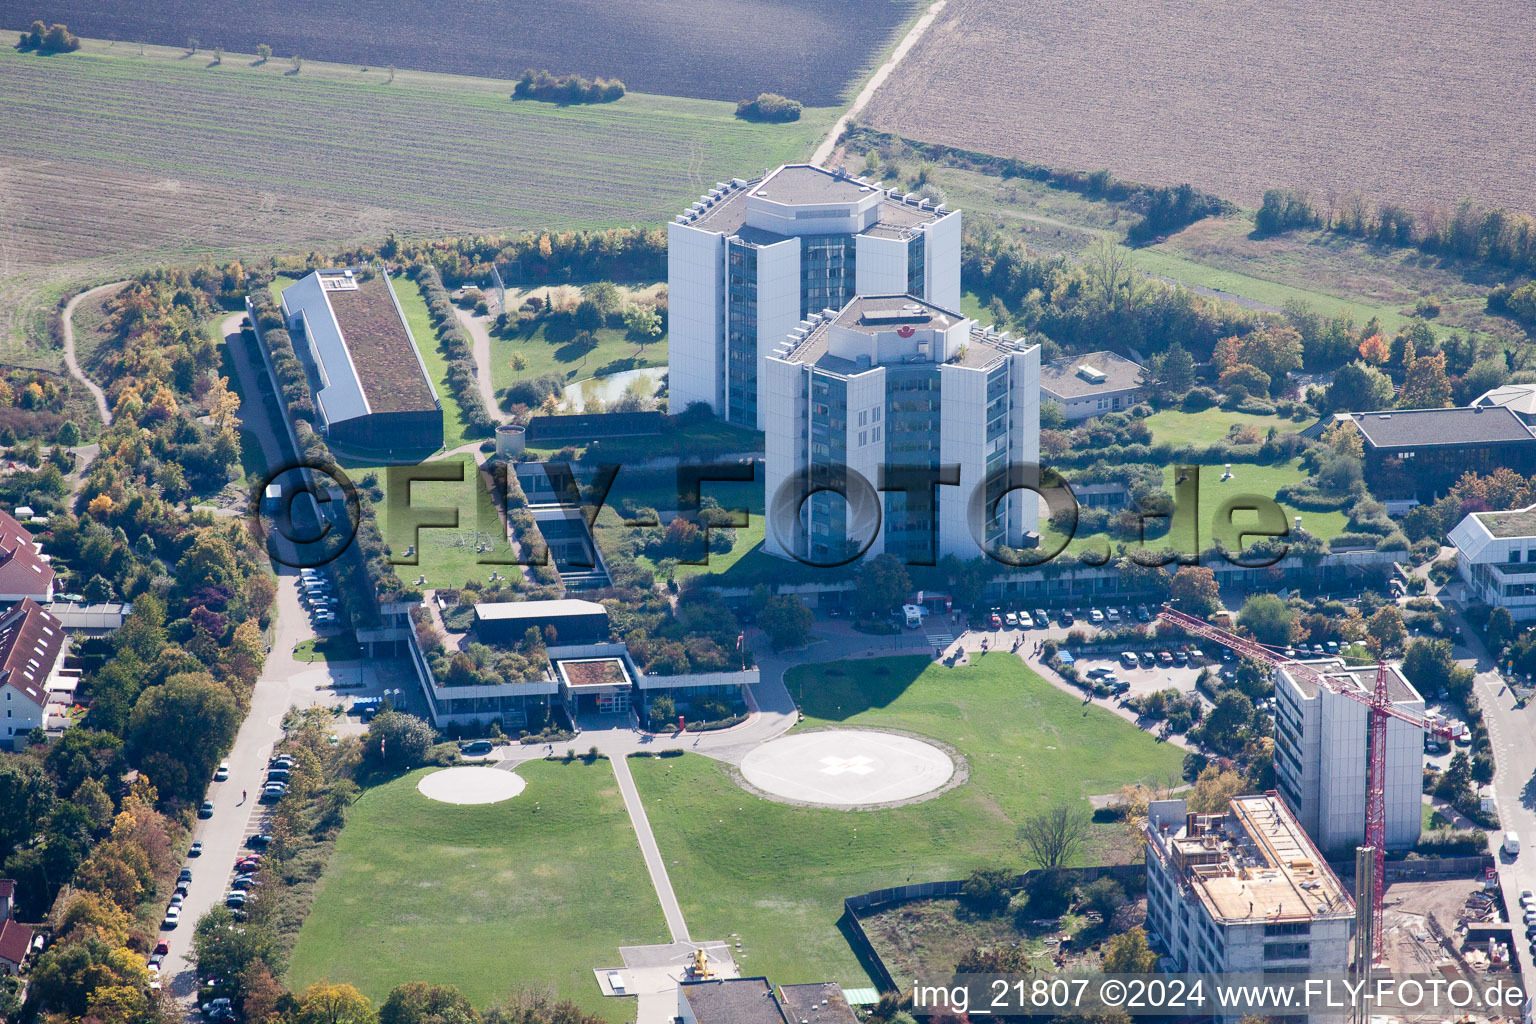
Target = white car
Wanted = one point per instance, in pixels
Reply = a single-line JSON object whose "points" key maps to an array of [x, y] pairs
{"points": [[172, 917], [222, 772], [1095, 616], [1025, 622], [1114, 615]]}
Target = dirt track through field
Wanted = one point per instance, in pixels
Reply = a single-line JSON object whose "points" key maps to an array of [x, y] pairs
{"points": [[1416, 102], [69, 348]]}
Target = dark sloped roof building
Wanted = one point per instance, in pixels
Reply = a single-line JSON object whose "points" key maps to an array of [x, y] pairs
{"points": [[372, 390], [1422, 452]]}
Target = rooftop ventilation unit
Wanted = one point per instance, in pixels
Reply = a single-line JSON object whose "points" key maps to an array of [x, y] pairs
{"points": [[1092, 374]]}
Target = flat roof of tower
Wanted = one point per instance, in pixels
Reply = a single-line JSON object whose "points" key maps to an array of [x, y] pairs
{"points": [[806, 185], [725, 207], [872, 313]]}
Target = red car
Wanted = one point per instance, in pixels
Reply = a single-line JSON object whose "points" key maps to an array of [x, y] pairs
{"points": [[247, 864], [163, 948]]}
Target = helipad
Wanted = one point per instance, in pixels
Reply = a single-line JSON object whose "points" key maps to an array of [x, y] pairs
{"points": [[848, 768], [471, 785]]}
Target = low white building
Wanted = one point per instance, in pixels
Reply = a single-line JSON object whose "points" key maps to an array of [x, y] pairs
{"points": [[1322, 754], [1243, 891], [1496, 558], [1092, 385]]}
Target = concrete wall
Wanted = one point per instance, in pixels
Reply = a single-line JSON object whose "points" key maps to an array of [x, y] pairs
{"points": [[695, 318], [881, 266], [941, 261], [778, 305]]}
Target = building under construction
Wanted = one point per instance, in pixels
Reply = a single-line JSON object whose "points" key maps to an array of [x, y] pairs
{"points": [[1323, 750], [1243, 891]]}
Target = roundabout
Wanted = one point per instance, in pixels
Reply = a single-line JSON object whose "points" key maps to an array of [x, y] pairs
{"points": [[470, 785], [848, 768]]}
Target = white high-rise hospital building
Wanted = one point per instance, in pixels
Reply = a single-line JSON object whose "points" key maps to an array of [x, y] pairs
{"points": [[751, 259]]}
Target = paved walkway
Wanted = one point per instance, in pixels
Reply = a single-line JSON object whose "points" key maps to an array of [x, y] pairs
{"points": [[69, 349], [648, 848]]}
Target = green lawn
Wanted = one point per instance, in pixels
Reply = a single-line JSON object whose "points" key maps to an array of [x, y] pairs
{"points": [[328, 648], [447, 556], [534, 891], [776, 875], [549, 348], [1249, 479], [414, 303], [1197, 429]]}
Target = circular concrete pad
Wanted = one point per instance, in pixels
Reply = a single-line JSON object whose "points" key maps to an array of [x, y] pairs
{"points": [[847, 768], [471, 785]]}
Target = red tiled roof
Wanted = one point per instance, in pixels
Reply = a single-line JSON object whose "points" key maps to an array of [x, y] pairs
{"points": [[22, 569], [14, 941], [30, 640]]}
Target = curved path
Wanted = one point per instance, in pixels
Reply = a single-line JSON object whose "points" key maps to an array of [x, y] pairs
{"points": [[69, 349], [481, 338]]}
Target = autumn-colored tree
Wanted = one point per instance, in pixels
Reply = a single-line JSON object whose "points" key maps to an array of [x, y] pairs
{"points": [[1375, 350], [1426, 385], [324, 1003], [222, 402], [1214, 789], [1275, 351], [1129, 953], [1345, 439], [1194, 588], [1500, 490]]}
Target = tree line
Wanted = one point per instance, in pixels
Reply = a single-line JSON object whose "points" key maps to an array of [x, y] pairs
{"points": [[1471, 232]]}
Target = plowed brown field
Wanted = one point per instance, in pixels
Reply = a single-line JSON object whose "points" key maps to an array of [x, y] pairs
{"points": [[1417, 102]]}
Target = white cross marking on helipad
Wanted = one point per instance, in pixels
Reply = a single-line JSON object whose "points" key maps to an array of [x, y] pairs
{"points": [[859, 765]]}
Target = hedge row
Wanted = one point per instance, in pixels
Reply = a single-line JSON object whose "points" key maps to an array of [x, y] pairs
{"points": [[463, 374]]}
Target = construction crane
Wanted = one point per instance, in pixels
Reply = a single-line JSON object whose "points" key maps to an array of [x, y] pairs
{"points": [[1381, 708]]}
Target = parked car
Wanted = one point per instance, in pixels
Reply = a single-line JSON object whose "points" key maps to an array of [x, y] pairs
{"points": [[181, 889], [277, 774], [172, 918], [250, 863], [242, 883], [196, 849], [1142, 614], [221, 773], [280, 761], [178, 900], [1331, 647], [476, 748], [1128, 659], [272, 794], [1113, 615], [1119, 686], [1100, 672], [1180, 658], [161, 948], [258, 841], [1147, 658], [1065, 617], [995, 621], [1011, 619], [205, 811], [1025, 622], [1164, 658], [234, 898], [1041, 619], [185, 876], [1095, 616]]}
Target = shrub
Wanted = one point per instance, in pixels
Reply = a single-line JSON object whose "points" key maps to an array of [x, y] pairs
{"points": [[541, 85], [50, 39], [769, 107]]}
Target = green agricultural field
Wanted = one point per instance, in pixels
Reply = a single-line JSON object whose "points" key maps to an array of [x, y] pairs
{"points": [[1197, 429], [537, 891], [163, 158], [776, 875]]}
